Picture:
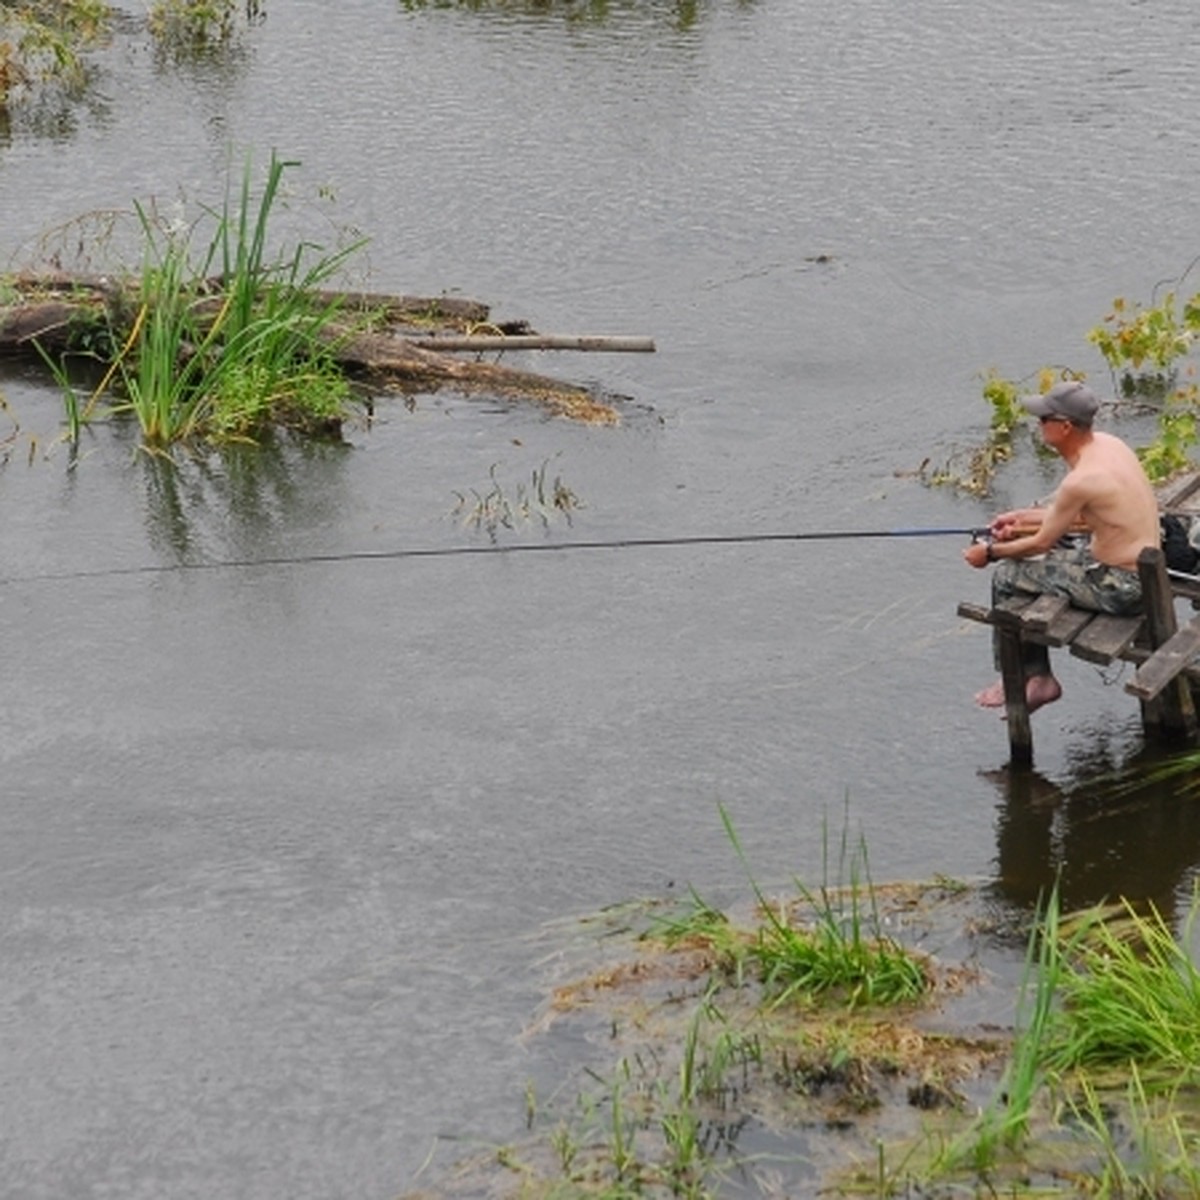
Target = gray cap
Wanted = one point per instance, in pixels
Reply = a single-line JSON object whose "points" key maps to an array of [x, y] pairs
{"points": [[1072, 399]]}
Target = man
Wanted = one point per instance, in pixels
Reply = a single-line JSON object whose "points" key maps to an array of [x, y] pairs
{"points": [[1106, 493]]}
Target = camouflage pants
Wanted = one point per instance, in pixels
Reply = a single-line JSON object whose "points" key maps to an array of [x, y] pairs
{"points": [[1069, 571]]}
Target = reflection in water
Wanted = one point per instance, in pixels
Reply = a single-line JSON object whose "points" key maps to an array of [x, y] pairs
{"points": [[680, 14], [1127, 833], [233, 501], [57, 115]]}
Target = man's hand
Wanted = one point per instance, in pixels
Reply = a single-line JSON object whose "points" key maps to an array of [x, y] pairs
{"points": [[977, 554], [1020, 522]]}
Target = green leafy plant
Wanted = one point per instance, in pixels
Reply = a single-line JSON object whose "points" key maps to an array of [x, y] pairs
{"points": [[1147, 348], [191, 26], [980, 463], [1143, 345], [839, 952], [1171, 451], [76, 414], [1005, 400], [42, 43]]}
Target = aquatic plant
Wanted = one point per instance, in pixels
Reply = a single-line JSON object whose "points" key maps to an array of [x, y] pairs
{"points": [[1147, 348], [1157, 1155], [193, 26], [1129, 994], [1003, 1124], [973, 469], [1143, 345], [497, 508], [9, 438], [1171, 450], [1098, 1092], [842, 950], [233, 345], [839, 952], [835, 951], [1108, 1034], [645, 1131], [42, 43], [1096, 1096]]}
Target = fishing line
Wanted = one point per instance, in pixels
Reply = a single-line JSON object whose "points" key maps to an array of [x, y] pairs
{"points": [[462, 551]]}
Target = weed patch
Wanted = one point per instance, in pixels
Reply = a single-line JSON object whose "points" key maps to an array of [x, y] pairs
{"points": [[707, 1079]]}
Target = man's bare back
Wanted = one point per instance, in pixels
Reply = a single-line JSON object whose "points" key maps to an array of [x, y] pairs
{"points": [[1115, 500]]}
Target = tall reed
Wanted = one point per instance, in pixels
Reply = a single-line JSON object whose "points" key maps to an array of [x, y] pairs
{"points": [[1003, 1124], [1130, 996], [1110, 1000], [238, 344], [843, 951]]}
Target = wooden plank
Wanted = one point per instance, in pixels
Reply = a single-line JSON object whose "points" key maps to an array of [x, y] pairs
{"points": [[975, 612], [1175, 494], [1166, 663], [1006, 612], [1043, 610], [1067, 626], [1105, 638], [1142, 654], [1060, 630]]}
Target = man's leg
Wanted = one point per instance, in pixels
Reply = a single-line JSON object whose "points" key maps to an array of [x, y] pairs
{"points": [[1064, 571], [1041, 685], [1012, 577]]}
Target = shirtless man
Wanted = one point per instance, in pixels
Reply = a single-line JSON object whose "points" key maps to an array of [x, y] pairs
{"points": [[1105, 493]]}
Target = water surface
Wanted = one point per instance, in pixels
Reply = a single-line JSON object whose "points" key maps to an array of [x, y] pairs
{"points": [[277, 843]]}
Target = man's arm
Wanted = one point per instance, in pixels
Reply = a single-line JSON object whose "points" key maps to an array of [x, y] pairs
{"points": [[1063, 515], [1006, 524], [1024, 532]]}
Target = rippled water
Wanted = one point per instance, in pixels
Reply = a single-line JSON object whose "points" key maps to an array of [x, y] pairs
{"points": [[276, 843]]}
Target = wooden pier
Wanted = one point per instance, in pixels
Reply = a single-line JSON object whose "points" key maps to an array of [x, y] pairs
{"points": [[1166, 653]]}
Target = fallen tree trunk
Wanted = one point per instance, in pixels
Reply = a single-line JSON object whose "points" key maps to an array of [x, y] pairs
{"points": [[47, 322], [392, 357], [393, 340]]}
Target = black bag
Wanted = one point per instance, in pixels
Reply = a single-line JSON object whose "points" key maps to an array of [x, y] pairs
{"points": [[1181, 555]]}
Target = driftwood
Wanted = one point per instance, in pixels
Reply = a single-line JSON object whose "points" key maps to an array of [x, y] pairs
{"points": [[390, 340], [534, 341]]}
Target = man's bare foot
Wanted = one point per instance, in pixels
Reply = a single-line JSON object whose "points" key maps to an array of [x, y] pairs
{"points": [[1039, 691], [991, 697]]}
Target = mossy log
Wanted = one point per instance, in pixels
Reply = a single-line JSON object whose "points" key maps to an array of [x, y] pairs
{"points": [[375, 337]]}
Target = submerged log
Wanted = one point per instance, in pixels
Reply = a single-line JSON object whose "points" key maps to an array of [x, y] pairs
{"points": [[48, 322], [396, 340]]}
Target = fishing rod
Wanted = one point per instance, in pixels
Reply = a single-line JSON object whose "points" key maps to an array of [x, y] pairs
{"points": [[519, 548]]}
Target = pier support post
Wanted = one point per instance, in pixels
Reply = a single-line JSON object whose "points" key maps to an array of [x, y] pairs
{"points": [[1172, 714], [1016, 708]]}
